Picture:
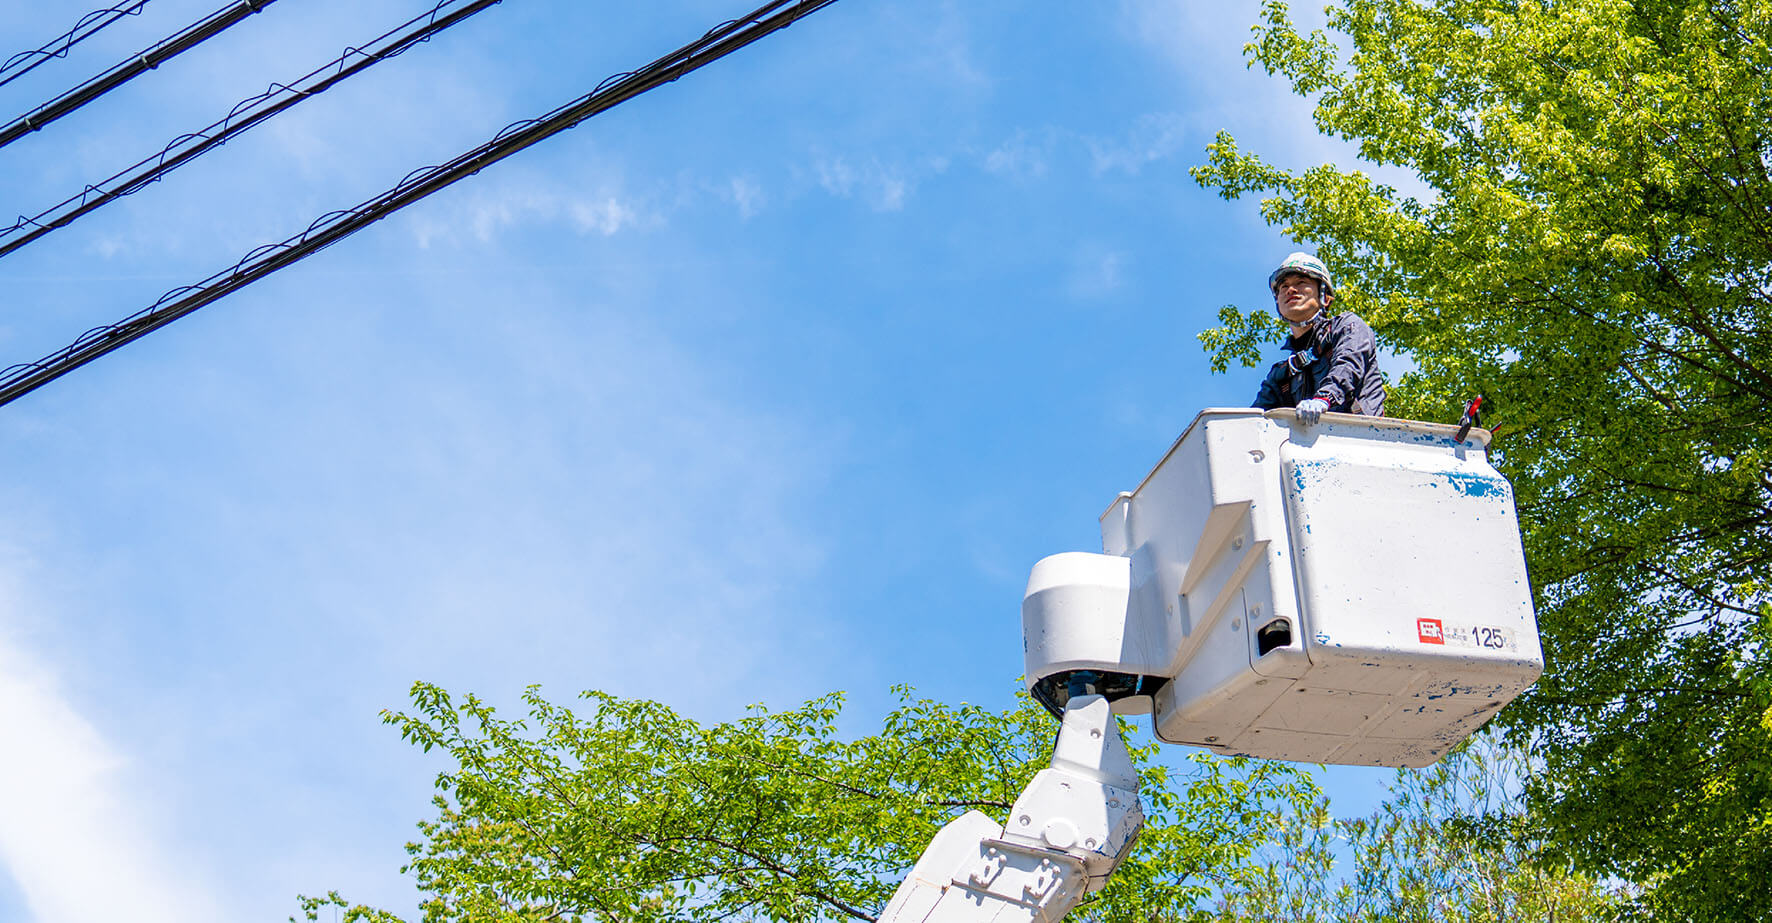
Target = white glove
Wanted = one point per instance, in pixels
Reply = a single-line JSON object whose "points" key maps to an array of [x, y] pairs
{"points": [[1312, 410]]}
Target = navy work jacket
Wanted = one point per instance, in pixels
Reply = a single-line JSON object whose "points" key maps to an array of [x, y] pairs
{"points": [[1337, 360]]}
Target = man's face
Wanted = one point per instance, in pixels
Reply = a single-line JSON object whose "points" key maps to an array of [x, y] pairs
{"points": [[1298, 297]]}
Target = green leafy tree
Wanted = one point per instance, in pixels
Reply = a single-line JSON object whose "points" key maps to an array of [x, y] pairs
{"points": [[632, 812], [1446, 846], [1588, 242]]}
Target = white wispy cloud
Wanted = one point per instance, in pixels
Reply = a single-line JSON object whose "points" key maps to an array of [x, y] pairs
{"points": [[1024, 155], [1153, 137], [604, 216], [882, 186], [945, 45], [1203, 43], [482, 213], [71, 833], [1096, 272], [746, 193]]}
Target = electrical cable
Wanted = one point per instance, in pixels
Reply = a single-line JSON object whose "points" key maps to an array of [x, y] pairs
{"points": [[244, 115], [146, 60], [26, 61], [18, 380]]}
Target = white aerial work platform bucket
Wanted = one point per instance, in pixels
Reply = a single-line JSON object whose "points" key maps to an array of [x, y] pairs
{"points": [[1348, 592]]}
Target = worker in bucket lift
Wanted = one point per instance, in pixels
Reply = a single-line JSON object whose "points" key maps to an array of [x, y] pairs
{"points": [[1332, 360]]}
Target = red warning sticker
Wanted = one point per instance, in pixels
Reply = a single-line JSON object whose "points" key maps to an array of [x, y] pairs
{"points": [[1453, 634]]}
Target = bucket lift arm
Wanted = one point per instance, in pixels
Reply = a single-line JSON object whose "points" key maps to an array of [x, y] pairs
{"points": [[1072, 826], [1270, 590]]}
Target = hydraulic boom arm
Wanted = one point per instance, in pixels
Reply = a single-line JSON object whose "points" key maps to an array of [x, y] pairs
{"points": [[1069, 830]]}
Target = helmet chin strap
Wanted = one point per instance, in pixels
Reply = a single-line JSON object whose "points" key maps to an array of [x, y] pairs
{"points": [[1309, 322], [1322, 311]]}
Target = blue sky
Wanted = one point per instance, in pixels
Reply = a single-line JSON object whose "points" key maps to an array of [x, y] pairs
{"points": [[774, 381]]}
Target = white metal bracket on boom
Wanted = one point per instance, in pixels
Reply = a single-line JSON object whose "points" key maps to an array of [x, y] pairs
{"points": [[1069, 830]]}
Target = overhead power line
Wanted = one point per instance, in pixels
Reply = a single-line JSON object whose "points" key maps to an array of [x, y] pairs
{"points": [[244, 115], [146, 60], [26, 61], [19, 380]]}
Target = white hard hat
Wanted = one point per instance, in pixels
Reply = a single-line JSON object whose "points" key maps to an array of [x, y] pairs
{"points": [[1306, 264]]}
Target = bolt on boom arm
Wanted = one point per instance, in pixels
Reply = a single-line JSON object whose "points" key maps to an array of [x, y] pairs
{"points": [[1072, 826]]}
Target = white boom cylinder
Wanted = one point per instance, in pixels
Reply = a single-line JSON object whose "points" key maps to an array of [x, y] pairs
{"points": [[1348, 592], [1072, 826]]}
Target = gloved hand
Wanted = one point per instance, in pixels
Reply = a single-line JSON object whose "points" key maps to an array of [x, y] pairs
{"points": [[1312, 410]]}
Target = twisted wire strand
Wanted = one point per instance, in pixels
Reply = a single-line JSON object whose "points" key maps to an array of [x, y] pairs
{"points": [[26, 61], [243, 116], [146, 60], [332, 227]]}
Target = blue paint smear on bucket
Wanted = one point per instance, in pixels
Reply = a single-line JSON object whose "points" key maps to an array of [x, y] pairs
{"points": [[1302, 467], [1475, 485]]}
